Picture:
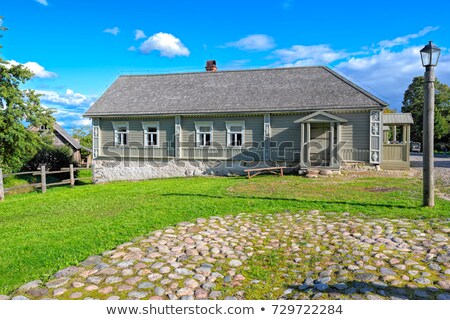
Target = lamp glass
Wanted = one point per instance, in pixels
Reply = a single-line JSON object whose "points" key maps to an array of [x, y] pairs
{"points": [[430, 55], [425, 58], [435, 53]]}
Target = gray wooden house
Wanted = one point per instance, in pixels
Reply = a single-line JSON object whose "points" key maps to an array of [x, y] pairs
{"points": [[219, 123]]}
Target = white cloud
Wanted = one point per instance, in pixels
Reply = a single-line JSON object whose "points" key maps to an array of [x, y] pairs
{"points": [[253, 42], [114, 31], [388, 73], [403, 40], [43, 2], [70, 120], [386, 69], [167, 44], [132, 48], [139, 34], [69, 98], [1, 22], [300, 55], [38, 70], [68, 106], [82, 122]]}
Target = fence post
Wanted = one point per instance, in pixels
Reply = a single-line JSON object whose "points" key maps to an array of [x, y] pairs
{"points": [[72, 176], [43, 180], [2, 192]]}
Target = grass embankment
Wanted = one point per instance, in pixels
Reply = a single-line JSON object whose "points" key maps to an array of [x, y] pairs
{"points": [[42, 233]]}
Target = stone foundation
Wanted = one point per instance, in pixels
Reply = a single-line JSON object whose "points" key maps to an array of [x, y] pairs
{"points": [[111, 170]]}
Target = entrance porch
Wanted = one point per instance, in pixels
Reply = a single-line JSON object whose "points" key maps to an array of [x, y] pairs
{"points": [[320, 134]]}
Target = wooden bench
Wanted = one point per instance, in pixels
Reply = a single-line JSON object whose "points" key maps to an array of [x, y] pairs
{"points": [[262, 170]]}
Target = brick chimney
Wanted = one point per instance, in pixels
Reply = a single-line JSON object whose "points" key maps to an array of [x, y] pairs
{"points": [[211, 66]]}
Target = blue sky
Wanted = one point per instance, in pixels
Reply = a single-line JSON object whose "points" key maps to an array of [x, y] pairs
{"points": [[78, 48]]}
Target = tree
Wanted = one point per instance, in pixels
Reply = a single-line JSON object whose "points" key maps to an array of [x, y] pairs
{"points": [[413, 102], [388, 110], [84, 136], [19, 108]]}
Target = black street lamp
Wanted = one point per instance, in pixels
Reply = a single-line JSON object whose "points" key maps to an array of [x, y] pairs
{"points": [[430, 56]]}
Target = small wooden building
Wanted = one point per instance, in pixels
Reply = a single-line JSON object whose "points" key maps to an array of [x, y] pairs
{"points": [[396, 140]]}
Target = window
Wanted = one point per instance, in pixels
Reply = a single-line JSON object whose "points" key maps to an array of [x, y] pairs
{"points": [[204, 134], [151, 134], [235, 134], [120, 134]]}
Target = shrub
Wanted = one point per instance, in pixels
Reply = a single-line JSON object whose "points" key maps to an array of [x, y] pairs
{"points": [[54, 158]]}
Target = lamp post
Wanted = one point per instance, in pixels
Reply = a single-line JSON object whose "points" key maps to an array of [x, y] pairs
{"points": [[430, 56]]}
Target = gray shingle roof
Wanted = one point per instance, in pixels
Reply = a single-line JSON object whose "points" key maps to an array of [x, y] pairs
{"points": [[66, 136], [397, 118], [261, 90]]}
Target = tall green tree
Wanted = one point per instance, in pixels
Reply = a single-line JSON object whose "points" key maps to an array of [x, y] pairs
{"points": [[413, 102], [18, 109], [84, 136]]}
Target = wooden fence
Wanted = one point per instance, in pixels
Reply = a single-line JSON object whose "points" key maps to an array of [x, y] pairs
{"points": [[43, 184]]}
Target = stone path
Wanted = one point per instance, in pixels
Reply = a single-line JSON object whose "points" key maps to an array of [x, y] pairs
{"points": [[325, 256]]}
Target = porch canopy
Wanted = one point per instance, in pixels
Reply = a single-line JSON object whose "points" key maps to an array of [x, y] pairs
{"points": [[320, 134], [391, 123]]}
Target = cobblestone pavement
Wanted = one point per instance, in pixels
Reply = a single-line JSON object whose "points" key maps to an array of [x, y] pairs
{"points": [[325, 256]]}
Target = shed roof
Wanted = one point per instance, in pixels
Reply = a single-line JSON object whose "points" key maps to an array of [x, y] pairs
{"points": [[66, 136], [397, 118], [260, 90]]}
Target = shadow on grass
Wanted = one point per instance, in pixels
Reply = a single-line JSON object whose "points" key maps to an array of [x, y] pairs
{"points": [[358, 289], [343, 202]]}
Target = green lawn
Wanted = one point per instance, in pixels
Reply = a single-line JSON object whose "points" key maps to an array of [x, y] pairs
{"points": [[42, 233]]}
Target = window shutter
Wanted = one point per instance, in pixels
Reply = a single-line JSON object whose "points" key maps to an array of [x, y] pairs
{"points": [[376, 135], [95, 137]]}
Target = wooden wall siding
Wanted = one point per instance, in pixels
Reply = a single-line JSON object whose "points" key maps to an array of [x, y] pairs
{"points": [[285, 136], [396, 152], [136, 135], [254, 130], [58, 140], [355, 155], [396, 157], [356, 131], [251, 154], [284, 129], [355, 135]]}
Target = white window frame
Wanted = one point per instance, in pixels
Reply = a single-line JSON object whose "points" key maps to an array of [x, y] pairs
{"points": [[152, 124], [198, 133], [230, 124], [117, 126]]}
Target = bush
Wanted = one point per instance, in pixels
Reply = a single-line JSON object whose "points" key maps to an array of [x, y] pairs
{"points": [[441, 147], [54, 158]]}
